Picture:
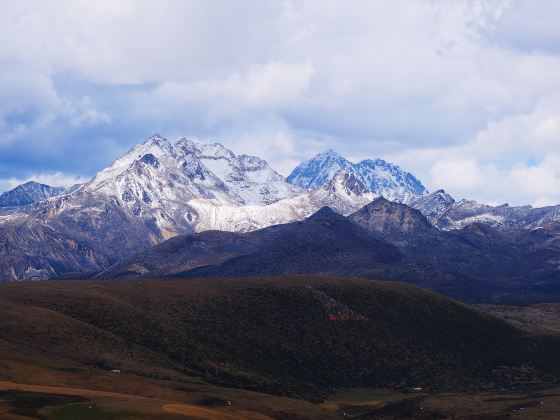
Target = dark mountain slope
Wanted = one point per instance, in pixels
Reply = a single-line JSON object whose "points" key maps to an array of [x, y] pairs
{"points": [[302, 336], [182, 253], [507, 264], [74, 241], [324, 243], [394, 221], [382, 240]]}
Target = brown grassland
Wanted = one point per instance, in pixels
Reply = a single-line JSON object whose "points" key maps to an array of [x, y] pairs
{"points": [[302, 347]]}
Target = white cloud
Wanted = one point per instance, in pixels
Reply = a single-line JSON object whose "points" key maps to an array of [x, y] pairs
{"points": [[515, 159], [83, 113], [263, 88], [463, 93], [457, 174]]}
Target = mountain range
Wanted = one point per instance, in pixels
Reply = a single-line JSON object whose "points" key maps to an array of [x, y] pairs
{"points": [[158, 190], [191, 209], [446, 213]]}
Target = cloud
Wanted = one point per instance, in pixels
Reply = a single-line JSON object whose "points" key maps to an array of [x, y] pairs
{"points": [[514, 159], [457, 174], [463, 93], [263, 88]]}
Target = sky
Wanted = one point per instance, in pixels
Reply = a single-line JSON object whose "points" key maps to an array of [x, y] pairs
{"points": [[463, 94]]}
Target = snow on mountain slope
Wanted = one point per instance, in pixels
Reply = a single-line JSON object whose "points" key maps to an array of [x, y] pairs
{"points": [[378, 176], [250, 178], [176, 188], [173, 187], [319, 170], [433, 205], [32, 192], [344, 194]]}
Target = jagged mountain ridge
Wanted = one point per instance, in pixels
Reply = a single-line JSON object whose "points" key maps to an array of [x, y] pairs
{"points": [[380, 177], [446, 213]]}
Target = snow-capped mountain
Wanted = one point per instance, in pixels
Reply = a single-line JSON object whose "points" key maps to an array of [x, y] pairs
{"points": [[191, 187], [32, 192], [446, 213], [378, 176], [187, 186], [344, 193], [160, 189]]}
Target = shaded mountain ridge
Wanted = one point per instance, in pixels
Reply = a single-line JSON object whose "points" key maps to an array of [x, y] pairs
{"points": [[382, 240]]}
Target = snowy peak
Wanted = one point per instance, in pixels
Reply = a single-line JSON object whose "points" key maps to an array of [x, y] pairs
{"points": [[156, 145], [249, 179], [172, 187], [32, 192], [446, 213], [345, 193], [318, 170], [153, 151], [383, 177], [206, 170], [378, 176]]}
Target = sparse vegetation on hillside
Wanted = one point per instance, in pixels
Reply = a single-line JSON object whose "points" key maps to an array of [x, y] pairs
{"points": [[273, 334]]}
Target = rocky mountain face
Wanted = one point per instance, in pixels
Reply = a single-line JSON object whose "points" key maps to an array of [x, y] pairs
{"points": [[32, 192], [378, 176], [393, 221], [446, 213]]}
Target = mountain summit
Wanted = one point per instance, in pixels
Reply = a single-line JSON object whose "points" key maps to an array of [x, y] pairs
{"points": [[378, 176]]}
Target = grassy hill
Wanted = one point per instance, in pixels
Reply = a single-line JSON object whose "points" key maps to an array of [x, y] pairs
{"points": [[298, 336]]}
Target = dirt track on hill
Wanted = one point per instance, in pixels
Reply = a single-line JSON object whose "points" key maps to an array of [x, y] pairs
{"points": [[192, 411], [205, 413]]}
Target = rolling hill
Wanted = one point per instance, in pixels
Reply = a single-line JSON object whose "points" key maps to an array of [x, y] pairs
{"points": [[301, 336]]}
